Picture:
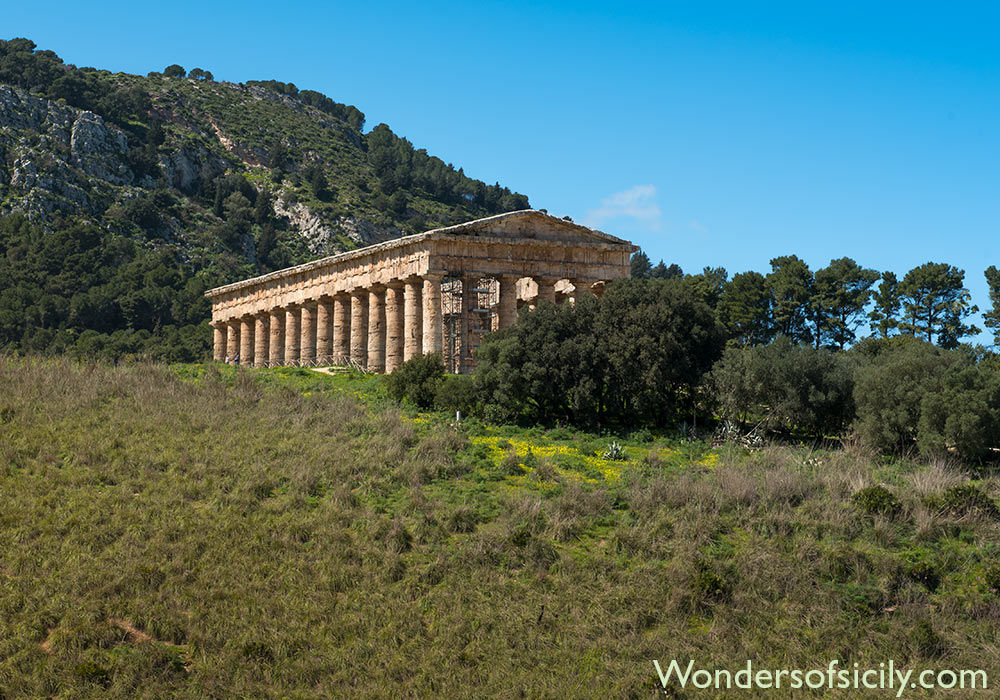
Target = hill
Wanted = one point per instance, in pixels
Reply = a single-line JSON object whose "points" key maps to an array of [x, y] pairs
{"points": [[194, 181], [205, 532]]}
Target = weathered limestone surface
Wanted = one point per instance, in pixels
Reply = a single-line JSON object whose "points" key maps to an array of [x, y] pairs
{"points": [[341, 329], [359, 328], [381, 305], [276, 322], [432, 314], [413, 318], [218, 342], [307, 344], [376, 329], [324, 330], [233, 340], [393, 326], [293, 335], [261, 336], [508, 300]]}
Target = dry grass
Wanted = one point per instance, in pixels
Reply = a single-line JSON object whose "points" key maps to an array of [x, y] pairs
{"points": [[232, 537]]}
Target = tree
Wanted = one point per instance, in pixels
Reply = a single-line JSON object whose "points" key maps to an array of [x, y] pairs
{"points": [[316, 178], [658, 340], [991, 319], [199, 74], [745, 309], [936, 304], [791, 285], [786, 387], [663, 272], [910, 393], [708, 284], [641, 268], [632, 357], [174, 71], [884, 317], [841, 292]]}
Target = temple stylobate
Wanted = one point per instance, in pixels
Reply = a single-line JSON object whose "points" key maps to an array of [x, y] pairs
{"points": [[437, 291]]}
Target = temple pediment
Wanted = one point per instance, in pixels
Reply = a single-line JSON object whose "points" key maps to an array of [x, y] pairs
{"points": [[530, 224]]}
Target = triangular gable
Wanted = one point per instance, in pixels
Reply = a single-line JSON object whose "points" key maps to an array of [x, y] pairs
{"points": [[530, 223]]}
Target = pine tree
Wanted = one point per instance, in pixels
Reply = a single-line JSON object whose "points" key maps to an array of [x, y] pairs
{"points": [[991, 318], [791, 285], [641, 269], [745, 309], [936, 304], [884, 318], [841, 292]]}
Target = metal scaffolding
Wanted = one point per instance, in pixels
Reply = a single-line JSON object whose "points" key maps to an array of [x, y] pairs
{"points": [[466, 324]]}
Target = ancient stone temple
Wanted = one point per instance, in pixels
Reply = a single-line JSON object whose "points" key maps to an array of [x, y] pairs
{"points": [[437, 291]]}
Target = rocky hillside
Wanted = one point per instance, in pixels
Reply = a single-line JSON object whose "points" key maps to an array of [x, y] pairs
{"points": [[218, 180]]}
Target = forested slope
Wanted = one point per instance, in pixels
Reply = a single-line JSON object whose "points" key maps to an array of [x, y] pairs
{"points": [[123, 197]]}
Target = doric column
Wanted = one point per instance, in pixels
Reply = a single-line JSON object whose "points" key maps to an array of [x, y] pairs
{"points": [[324, 331], [218, 342], [232, 340], [413, 318], [376, 328], [359, 327], [293, 336], [246, 341], [341, 329], [276, 346], [508, 300], [393, 326], [307, 342], [469, 299], [546, 289], [433, 330], [260, 341]]}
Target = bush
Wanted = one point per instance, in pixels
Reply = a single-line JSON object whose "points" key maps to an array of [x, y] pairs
{"points": [[463, 519], [785, 387], [877, 500], [457, 392], [926, 642], [969, 500], [913, 394], [632, 358], [417, 380], [991, 577]]}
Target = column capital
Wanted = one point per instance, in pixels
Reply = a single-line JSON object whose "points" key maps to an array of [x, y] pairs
{"points": [[393, 284]]}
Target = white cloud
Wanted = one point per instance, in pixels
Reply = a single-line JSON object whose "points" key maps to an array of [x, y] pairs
{"points": [[638, 203], [697, 226]]}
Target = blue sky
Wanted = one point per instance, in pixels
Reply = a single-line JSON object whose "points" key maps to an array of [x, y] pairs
{"points": [[708, 133]]}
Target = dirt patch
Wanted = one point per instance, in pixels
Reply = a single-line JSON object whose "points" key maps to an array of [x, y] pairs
{"points": [[134, 633]]}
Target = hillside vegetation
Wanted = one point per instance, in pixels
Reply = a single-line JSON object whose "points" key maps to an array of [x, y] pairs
{"points": [[196, 183], [199, 531]]}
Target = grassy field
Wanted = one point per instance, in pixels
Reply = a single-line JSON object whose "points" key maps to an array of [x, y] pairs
{"points": [[197, 531]]}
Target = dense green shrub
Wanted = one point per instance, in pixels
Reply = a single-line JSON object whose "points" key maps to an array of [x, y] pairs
{"points": [[912, 394], [785, 386], [991, 577], [877, 500], [968, 499], [632, 358], [417, 380], [456, 392]]}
